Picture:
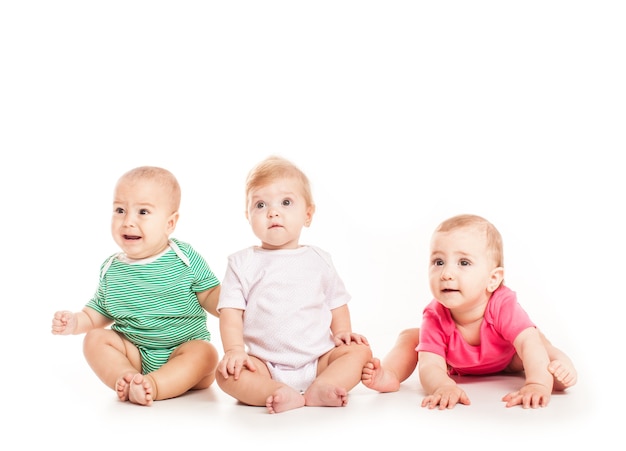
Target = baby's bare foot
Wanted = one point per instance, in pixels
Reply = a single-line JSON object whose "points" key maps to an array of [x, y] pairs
{"points": [[283, 399], [564, 373], [326, 396], [122, 386], [377, 378], [141, 390]]}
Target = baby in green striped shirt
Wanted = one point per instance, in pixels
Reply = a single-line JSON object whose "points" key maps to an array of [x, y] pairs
{"points": [[146, 334]]}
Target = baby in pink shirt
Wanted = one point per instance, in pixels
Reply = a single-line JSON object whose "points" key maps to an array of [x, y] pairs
{"points": [[474, 326]]}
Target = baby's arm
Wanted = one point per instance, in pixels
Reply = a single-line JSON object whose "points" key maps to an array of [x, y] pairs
{"points": [[235, 355], [73, 323], [538, 385], [441, 390], [341, 327], [208, 299]]}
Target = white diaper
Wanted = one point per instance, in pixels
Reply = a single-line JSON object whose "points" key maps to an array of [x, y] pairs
{"points": [[298, 378]]}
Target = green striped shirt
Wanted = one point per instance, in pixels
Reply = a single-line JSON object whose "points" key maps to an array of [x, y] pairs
{"points": [[154, 305]]}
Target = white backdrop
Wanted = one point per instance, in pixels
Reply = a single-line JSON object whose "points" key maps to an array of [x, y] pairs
{"points": [[401, 113]]}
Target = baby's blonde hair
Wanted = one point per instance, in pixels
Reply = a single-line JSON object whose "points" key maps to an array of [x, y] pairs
{"points": [[494, 239], [274, 168], [160, 176]]}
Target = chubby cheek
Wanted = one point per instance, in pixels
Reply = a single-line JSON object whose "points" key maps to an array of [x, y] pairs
{"points": [[117, 221], [258, 225], [433, 283], [115, 227], [254, 217], [117, 238]]}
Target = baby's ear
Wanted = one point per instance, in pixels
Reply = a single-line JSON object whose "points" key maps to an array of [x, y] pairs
{"points": [[495, 279], [309, 215], [172, 221]]}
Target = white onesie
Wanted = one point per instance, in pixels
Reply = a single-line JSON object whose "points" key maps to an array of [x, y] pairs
{"points": [[287, 296]]}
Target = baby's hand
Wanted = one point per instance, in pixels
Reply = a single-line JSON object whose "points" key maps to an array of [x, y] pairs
{"points": [[530, 395], [349, 337], [446, 397], [64, 323], [233, 362]]}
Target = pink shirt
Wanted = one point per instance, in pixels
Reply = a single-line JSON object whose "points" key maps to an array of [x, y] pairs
{"points": [[503, 321]]}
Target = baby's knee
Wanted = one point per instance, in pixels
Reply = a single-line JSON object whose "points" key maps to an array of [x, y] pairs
{"points": [[362, 351], [227, 385], [204, 350], [220, 380], [95, 337], [410, 337]]}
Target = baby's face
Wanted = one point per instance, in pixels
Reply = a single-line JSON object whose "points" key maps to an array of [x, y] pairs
{"points": [[462, 272], [277, 212], [142, 218]]}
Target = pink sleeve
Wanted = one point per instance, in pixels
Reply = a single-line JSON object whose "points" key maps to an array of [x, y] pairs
{"points": [[507, 315], [433, 331]]}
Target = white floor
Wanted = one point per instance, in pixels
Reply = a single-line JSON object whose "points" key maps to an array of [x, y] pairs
{"points": [[68, 408]]}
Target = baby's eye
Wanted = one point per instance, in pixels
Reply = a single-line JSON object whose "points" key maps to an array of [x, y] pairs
{"points": [[119, 211], [259, 204], [286, 202], [464, 263], [438, 262], [143, 211]]}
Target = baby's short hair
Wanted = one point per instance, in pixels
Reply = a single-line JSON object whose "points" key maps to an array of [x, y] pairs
{"points": [[494, 239], [159, 175], [274, 168]]}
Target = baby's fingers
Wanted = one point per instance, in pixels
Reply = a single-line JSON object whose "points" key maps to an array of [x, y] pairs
{"points": [[250, 365], [359, 339], [431, 401], [223, 369], [234, 368], [342, 339], [512, 399], [59, 318], [526, 400], [446, 399], [443, 401]]}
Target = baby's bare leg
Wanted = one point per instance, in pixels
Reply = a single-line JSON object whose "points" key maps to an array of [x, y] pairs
{"points": [[338, 371], [397, 365], [561, 367], [114, 359], [257, 388], [190, 367]]}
